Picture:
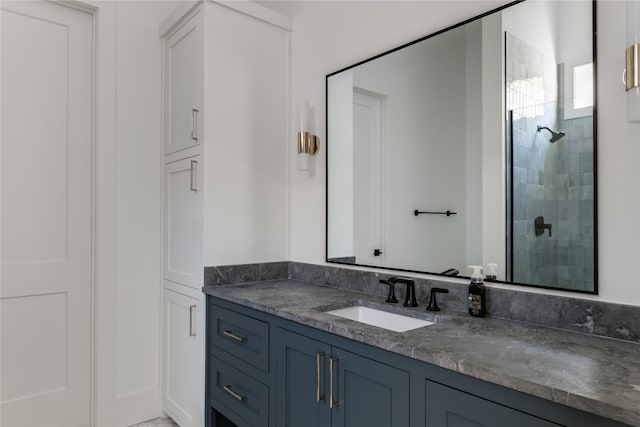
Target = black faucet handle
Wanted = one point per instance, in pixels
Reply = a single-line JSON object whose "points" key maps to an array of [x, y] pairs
{"points": [[405, 280], [392, 291], [433, 302]]}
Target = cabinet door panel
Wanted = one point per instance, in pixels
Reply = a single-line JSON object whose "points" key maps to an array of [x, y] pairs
{"points": [[368, 393], [183, 82], [183, 223], [183, 360], [448, 407], [297, 372]]}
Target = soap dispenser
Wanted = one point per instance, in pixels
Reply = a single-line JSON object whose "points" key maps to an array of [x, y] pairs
{"points": [[477, 300], [491, 272]]}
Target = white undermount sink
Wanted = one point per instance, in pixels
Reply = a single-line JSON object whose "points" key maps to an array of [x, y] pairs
{"points": [[379, 318]]}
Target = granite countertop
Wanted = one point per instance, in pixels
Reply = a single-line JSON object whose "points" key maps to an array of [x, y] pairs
{"points": [[594, 374]]}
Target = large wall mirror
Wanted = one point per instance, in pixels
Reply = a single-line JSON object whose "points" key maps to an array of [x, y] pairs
{"points": [[471, 146]]}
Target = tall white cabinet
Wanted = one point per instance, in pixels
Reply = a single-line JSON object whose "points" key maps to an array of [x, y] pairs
{"points": [[182, 301], [225, 139]]}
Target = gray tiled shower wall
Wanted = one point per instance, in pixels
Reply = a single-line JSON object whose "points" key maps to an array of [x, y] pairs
{"points": [[573, 314], [552, 180]]}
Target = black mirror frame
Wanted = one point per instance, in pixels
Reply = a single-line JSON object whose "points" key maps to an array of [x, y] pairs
{"points": [[595, 157]]}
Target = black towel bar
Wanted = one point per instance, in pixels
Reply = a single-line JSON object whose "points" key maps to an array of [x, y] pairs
{"points": [[447, 213]]}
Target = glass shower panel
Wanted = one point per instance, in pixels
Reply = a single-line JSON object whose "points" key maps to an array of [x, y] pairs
{"points": [[551, 218]]}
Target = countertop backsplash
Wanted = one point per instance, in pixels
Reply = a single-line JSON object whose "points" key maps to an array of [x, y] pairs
{"points": [[572, 314]]}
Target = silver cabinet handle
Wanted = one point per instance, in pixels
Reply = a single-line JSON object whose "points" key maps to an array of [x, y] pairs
{"points": [[319, 397], [332, 404], [192, 320], [194, 175], [235, 337], [194, 124], [235, 395]]}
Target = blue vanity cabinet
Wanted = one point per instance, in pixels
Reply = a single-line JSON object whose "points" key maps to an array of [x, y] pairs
{"points": [[322, 385], [448, 407], [266, 371]]}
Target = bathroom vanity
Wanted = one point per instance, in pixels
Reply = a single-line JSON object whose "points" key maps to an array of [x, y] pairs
{"points": [[275, 357]]}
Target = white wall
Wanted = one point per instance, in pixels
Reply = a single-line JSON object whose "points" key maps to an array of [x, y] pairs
{"points": [[128, 211], [331, 35], [246, 104], [138, 206]]}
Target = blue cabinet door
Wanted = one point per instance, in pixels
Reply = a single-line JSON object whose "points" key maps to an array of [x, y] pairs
{"points": [[367, 393], [448, 407], [302, 381], [320, 386]]}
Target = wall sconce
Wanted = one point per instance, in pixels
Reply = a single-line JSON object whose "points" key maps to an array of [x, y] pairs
{"points": [[632, 63], [308, 143]]}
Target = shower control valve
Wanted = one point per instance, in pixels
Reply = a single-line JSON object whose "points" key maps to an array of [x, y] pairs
{"points": [[540, 226]]}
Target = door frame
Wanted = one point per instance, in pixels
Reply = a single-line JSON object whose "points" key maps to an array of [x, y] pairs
{"points": [[95, 250]]}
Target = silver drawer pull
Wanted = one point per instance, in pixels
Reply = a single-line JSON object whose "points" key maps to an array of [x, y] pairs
{"points": [[192, 321], [235, 395], [235, 337], [194, 124], [332, 404], [193, 176], [319, 396]]}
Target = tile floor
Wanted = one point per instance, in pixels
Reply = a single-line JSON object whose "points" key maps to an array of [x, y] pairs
{"points": [[158, 422]]}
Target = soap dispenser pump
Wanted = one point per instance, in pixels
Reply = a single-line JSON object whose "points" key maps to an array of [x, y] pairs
{"points": [[477, 300]]}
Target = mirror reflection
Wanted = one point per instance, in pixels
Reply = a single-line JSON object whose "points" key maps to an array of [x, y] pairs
{"points": [[474, 146]]}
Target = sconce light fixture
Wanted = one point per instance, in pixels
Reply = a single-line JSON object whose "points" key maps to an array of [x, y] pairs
{"points": [[632, 63], [308, 143]]}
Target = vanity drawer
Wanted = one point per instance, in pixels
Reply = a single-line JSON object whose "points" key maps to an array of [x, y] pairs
{"points": [[241, 336], [245, 396]]}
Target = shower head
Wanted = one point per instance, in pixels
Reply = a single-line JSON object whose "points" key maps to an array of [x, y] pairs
{"points": [[554, 135]]}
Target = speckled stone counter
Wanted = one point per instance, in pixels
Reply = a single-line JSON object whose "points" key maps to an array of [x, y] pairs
{"points": [[594, 374]]}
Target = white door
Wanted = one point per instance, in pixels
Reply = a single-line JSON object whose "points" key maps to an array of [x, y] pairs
{"points": [[183, 223], [183, 56], [367, 164], [46, 214], [183, 356]]}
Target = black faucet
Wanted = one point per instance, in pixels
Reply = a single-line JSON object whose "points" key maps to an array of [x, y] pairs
{"points": [[392, 291], [410, 295], [450, 272], [433, 303]]}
